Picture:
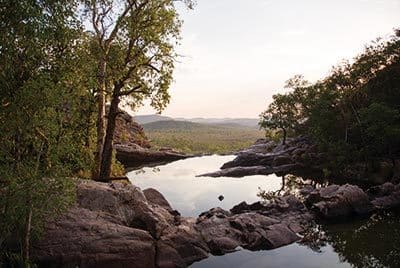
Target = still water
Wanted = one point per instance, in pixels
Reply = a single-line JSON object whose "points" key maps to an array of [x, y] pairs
{"points": [[372, 242]]}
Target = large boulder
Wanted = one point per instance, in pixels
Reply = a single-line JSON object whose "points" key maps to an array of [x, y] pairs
{"points": [[385, 196], [116, 225], [85, 238], [336, 201], [254, 226], [181, 245]]}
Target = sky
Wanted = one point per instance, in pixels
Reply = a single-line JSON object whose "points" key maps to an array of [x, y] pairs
{"points": [[235, 54]]}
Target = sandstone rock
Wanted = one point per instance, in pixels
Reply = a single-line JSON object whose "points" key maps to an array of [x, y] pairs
{"points": [[135, 157], [88, 238], [128, 132], [181, 244], [117, 225], [238, 172], [126, 202], [337, 201], [155, 197], [282, 160], [249, 230]]}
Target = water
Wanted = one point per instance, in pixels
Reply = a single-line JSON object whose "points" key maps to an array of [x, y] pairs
{"points": [[191, 195], [372, 242]]}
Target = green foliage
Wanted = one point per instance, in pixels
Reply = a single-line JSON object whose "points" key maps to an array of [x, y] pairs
{"points": [[354, 113], [42, 97]]}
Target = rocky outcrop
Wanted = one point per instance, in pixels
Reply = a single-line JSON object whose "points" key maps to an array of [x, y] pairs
{"points": [[336, 201], [256, 226], [133, 148], [301, 157], [135, 156], [115, 225], [118, 225], [298, 156], [128, 132]]}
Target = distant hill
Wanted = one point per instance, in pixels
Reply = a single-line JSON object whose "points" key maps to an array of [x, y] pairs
{"points": [[172, 125], [191, 137], [248, 122], [179, 125], [145, 119], [227, 122]]}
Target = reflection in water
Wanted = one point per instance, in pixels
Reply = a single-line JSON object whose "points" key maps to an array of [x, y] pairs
{"points": [[192, 195], [373, 242]]}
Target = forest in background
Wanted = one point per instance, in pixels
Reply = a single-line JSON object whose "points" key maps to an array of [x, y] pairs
{"points": [[198, 138]]}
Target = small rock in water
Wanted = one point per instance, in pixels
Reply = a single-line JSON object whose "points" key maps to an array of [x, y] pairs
{"points": [[221, 197]]}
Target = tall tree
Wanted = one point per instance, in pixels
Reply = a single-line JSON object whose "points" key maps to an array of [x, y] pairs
{"points": [[136, 41]]}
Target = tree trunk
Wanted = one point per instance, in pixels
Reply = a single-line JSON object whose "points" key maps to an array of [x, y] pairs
{"points": [[27, 238], [105, 169], [284, 136], [101, 105]]}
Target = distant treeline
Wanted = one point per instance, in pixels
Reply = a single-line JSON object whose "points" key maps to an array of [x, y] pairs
{"points": [[195, 138]]}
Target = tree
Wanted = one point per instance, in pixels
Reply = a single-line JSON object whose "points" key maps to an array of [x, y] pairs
{"points": [[281, 114], [353, 113], [135, 46], [40, 134]]}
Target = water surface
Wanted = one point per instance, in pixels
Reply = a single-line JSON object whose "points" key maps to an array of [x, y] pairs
{"points": [[371, 242], [191, 195]]}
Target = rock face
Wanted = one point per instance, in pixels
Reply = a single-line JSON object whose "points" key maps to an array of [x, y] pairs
{"points": [[255, 226], [336, 201], [301, 157], [297, 156], [135, 156], [115, 225], [129, 132], [133, 147]]}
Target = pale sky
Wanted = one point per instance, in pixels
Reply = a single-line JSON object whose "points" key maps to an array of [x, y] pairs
{"points": [[238, 53]]}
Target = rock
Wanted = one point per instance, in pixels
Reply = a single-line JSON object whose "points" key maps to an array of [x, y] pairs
{"points": [[85, 238], [132, 156], [221, 197], [249, 230], [337, 201], [181, 244], [244, 207], [115, 225], [118, 225], [282, 160], [299, 157], [155, 197], [128, 132], [127, 202], [254, 226], [239, 172], [385, 196]]}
